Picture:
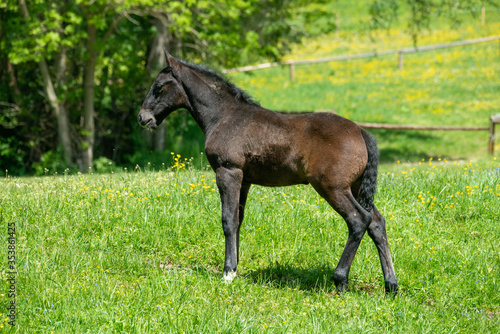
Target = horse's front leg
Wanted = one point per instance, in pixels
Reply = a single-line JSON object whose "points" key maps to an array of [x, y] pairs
{"points": [[243, 200], [229, 184]]}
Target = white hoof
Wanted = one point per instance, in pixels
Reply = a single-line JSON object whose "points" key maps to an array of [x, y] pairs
{"points": [[229, 277]]}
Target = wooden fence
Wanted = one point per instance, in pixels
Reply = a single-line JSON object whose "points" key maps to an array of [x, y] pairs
{"points": [[494, 119], [400, 52]]}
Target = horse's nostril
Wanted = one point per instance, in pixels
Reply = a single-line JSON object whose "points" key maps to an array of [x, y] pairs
{"points": [[146, 119]]}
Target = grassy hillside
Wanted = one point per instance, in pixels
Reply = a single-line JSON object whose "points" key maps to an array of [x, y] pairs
{"points": [[143, 252], [458, 86]]}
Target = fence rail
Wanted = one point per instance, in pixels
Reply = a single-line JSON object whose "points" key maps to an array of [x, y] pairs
{"points": [[494, 119], [400, 52], [421, 127]]}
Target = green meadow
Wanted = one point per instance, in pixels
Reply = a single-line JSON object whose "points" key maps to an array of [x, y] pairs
{"points": [[142, 252]]}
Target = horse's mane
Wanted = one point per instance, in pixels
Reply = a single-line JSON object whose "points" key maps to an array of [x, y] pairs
{"points": [[238, 93]]}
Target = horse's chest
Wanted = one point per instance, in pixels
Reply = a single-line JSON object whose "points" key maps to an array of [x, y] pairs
{"points": [[265, 159]]}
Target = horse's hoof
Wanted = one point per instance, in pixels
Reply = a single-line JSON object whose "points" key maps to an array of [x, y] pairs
{"points": [[342, 287], [229, 277], [340, 281], [391, 288]]}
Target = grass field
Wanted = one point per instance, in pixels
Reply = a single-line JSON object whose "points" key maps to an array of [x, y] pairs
{"points": [[142, 253]]}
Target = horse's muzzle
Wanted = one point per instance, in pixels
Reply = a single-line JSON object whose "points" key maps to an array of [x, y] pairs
{"points": [[146, 119]]}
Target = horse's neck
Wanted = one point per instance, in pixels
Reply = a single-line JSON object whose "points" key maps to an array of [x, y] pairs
{"points": [[206, 100]]}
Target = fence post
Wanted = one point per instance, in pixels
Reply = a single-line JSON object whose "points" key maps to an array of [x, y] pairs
{"points": [[292, 72], [494, 119], [483, 15], [400, 60]]}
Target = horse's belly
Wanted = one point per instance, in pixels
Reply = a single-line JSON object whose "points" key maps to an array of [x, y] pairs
{"points": [[273, 175]]}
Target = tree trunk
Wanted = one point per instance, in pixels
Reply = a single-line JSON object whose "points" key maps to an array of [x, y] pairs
{"points": [[63, 126], [88, 99], [156, 61], [14, 87]]}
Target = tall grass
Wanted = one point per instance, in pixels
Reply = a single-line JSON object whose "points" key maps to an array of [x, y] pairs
{"points": [[142, 252]]}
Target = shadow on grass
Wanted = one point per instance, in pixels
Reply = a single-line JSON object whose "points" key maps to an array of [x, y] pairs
{"points": [[288, 276], [391, 155], [408, 146], [306, 279], [275, 274]]}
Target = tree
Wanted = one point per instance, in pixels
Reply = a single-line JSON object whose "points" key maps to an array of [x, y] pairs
{"points": [[154, 64], [51, 31], [56, 104]]}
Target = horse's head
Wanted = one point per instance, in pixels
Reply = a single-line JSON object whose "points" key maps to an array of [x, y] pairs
{"points": [[166, 95]]}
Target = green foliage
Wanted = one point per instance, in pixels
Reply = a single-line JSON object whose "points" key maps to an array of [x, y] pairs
{"points": [[383, 14], [105, 165], [143, 252], [51, 162], [12, 156], [48, 28], [231, 33]]}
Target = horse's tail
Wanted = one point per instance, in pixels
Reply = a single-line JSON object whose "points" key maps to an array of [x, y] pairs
{"points": [[369, 176]]}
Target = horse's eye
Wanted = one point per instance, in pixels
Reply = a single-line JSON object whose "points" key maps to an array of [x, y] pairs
{"points": [[157, 90], [158, 87]]}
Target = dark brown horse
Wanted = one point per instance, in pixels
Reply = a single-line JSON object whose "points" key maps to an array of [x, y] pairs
{"points": [[247, 144]]}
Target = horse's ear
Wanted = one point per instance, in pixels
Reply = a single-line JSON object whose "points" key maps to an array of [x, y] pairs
{"points": [[171, 62]]}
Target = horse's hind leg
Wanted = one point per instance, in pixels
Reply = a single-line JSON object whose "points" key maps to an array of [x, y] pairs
{"points": [[229, 182], [376, 231], [357, 219]]}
